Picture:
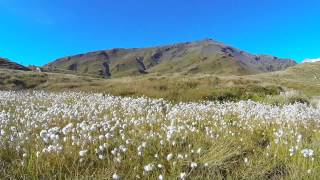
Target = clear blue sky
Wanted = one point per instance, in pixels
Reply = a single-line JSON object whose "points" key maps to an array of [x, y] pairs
{"points": [[39, 31]]}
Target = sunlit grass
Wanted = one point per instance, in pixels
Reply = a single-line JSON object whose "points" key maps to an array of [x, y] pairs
{"points": [[78, 135]]}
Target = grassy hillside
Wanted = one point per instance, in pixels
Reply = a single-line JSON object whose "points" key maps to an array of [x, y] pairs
{"points": [[305, 77], [19, 80], [174, 86]]}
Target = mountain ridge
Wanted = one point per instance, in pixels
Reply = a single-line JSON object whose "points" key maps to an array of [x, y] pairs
{"points": [[204, 56], [8, 64]]}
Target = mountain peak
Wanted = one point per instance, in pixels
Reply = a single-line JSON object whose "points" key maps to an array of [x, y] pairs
{"points": [[207, 40]]}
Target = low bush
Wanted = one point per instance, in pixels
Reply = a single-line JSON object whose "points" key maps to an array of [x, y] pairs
{"points": [[256, 93], [287, 97]]}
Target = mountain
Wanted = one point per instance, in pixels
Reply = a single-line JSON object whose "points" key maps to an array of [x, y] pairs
{"points": [[7, 64], [206, 56]]}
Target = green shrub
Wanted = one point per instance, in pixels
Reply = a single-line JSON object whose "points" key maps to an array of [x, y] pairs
{"points": [[256, 93], [287, 97]]}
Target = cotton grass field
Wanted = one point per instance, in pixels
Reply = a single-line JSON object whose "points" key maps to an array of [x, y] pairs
{"points": [[73, 135]]}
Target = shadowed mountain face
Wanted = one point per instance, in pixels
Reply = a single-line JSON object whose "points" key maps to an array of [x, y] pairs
{"points": [[6, 64], [207, 56]]}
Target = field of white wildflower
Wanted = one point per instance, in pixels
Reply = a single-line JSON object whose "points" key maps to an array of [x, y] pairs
{"points": [[81, 135]]}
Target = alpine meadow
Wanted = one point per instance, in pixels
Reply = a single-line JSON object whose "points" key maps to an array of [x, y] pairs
{"points": [[132, 90]]}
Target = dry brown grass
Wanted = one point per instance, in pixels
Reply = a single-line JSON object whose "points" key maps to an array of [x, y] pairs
{"points": [[175, 87]]}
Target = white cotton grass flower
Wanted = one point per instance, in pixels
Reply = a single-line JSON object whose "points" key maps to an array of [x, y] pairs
{"points": [[193, 165], [292, 151], [101, 157], [115, 176], [83, 153], [161, 142], [101, 137], [169, 157], [38, 154], [144, 144], [199, 151], [101, 148], [183, 175], [161, 177], [246, 161], [299, 137], [307, 153], [180, 156], [148, 167], [160, 166]]}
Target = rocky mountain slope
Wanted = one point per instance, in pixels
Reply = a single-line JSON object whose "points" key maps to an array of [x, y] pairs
{"points": [[7, 64], [206, 56]]}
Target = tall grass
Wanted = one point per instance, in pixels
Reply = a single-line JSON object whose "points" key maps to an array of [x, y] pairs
{"points": [[94, 136]]}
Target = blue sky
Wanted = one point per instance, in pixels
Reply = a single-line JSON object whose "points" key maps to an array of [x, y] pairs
{"points": [[39, 31]]}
